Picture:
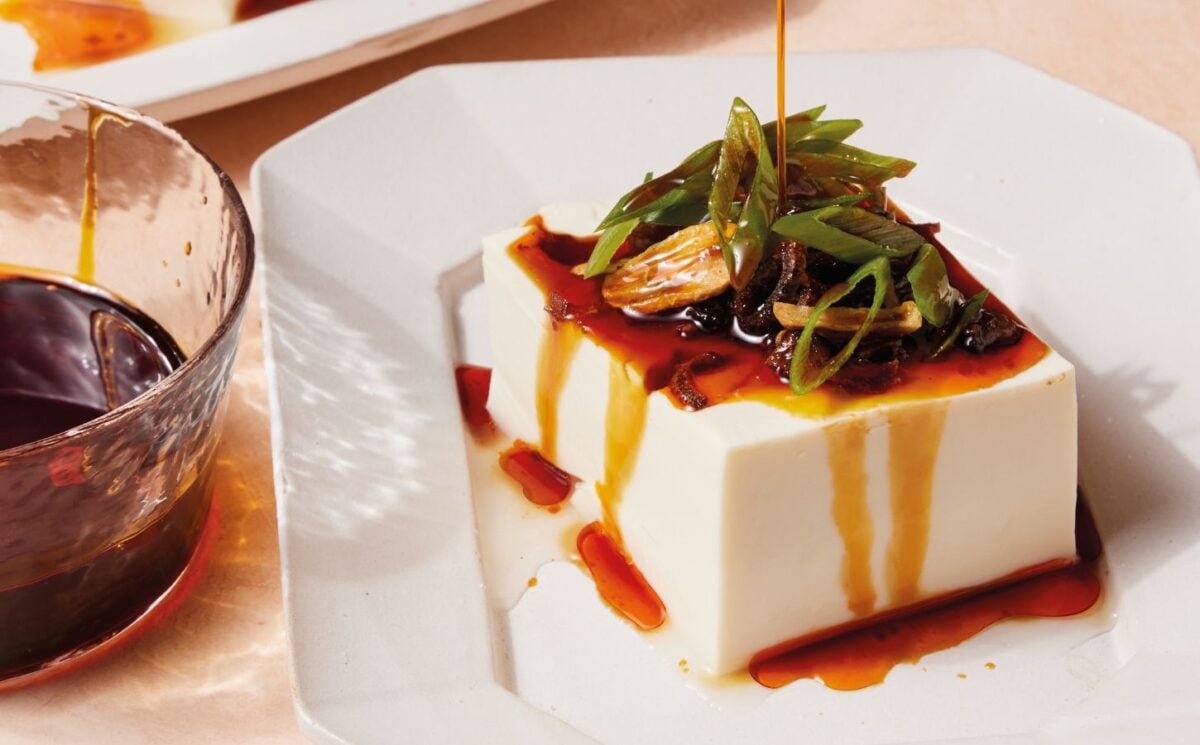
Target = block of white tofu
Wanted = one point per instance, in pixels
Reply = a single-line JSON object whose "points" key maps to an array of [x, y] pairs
{"points": [[200, 12], [729, 511]]}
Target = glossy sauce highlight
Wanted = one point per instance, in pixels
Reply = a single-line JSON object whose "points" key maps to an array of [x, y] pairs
{"points": [[618, 581], [542, 482]]}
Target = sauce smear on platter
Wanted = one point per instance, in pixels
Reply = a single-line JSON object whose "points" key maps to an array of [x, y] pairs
{"points": [[863, 657], [858, 656]]}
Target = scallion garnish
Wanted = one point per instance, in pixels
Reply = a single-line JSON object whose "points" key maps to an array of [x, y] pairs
{"points": [[610, 240], [881, 271], [845, 214], [931, 287], [850, 234], [691, 178], [969, 313], [744, 146], [839, 160], [845, 200]]}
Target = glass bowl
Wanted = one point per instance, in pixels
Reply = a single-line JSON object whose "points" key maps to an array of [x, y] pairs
{"points": [[99, 523]]}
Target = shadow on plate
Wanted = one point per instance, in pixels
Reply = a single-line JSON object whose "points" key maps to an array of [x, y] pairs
{"points": [[375, 470], [1138, 479]]}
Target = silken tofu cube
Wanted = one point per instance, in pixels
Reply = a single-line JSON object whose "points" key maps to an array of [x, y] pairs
{"points": [[757, 524]]}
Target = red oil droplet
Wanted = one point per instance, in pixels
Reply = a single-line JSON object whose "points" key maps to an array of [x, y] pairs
{"points": [[617, 580], [474, 382], [542, 482]]}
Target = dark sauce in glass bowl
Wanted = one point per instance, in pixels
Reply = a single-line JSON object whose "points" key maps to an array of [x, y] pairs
{"points": [[69, 353]]}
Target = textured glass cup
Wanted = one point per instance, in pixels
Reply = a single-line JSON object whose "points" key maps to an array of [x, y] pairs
{"points": [[98, 523]]}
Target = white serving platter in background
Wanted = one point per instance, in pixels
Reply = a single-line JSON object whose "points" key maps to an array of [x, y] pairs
{"points": [[260, 56], [1082, 215]]}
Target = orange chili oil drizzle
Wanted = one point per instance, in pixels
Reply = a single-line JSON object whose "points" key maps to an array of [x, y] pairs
{"points": [[655, 348], [618, 580], [861, 654]]}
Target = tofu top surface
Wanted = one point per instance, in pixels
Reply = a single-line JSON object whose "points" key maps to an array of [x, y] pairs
{"points": [[752, 409]]}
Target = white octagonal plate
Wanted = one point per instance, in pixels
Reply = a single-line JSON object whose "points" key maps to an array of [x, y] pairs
{"points": [[1085, 217]]}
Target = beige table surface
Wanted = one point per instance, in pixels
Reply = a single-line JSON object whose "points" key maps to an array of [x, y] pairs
{"points": [[216, 671]]}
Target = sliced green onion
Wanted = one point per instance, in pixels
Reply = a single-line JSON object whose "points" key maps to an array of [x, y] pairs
{"points": [[744, 145], [794, 121], [607, 246], [691, 178], [839, 160], [881, 271], [878, 201], [688, 193], [835, 187], [969, 313], [681, 213], [850, 234], [842, 201], [931, 287], [799, 129], [814, 144]]}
